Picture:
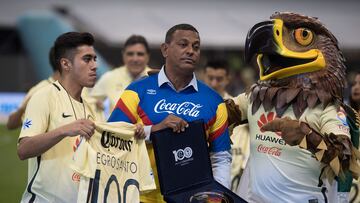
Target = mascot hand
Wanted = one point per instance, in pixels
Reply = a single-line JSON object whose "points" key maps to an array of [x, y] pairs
{"points": [[234, 113], [291, 130]]}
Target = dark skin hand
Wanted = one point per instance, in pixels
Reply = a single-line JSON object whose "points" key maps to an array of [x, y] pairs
{"points": [[177, 124]]}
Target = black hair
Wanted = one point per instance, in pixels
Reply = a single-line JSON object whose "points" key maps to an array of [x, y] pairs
{"points": [[66, 44], [218, 64], [52, 59], [137, 39], [171, 31]]}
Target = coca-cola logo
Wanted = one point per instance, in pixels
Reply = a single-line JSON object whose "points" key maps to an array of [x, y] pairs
{"points": [[75, 177], [273, 151], [185, 108]]}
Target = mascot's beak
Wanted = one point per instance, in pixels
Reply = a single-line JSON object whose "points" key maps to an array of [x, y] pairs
{"points": [[259, 40], [275, 61]]}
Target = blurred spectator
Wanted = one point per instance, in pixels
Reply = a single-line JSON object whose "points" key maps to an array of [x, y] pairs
{"points": [[355, 93], [216, 75], [136, 57], [355, 104], [15, 118]]}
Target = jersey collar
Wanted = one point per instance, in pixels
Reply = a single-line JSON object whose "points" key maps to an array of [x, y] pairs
{"points": [[162, 79]]}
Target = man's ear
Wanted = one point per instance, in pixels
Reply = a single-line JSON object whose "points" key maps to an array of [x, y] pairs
{"points": [[65, 64], [164, 49]]}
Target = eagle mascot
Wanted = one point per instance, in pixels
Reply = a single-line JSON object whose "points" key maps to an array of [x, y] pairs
{"points": [[304, 140]]}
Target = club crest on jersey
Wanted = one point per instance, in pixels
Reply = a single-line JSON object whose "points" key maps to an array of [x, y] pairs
{"points": [[27, 123], [185, 108]]}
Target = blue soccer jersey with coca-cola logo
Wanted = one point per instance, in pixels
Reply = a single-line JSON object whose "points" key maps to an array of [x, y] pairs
{"points": [[144, 101]]}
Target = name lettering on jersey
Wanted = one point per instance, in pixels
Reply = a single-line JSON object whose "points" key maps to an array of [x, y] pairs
{"points": [[109, 140], [116, 163], [151, 91], [267, 138], [27, 123], [185, 108], [273, 151]]}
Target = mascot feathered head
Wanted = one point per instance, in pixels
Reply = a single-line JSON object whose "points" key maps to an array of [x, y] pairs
{"points": [[300, 64]]}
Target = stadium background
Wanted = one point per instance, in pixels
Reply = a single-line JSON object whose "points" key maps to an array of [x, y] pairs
{"points": [[223, 26]]}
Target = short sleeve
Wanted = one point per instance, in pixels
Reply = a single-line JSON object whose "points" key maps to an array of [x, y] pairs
{"points": [[36, 117], [242, 101], [333, 120]]}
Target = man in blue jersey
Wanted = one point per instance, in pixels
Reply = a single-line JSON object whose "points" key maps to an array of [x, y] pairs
{"points": [[174, 97]]}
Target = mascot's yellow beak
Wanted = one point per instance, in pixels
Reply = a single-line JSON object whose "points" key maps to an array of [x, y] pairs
{"points": [[275, 61]]}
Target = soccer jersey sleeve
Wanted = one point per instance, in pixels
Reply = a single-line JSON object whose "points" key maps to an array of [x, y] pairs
{"points": [[126, 108], [242, 102], [333, 120], [218, 130], [36, 117]]}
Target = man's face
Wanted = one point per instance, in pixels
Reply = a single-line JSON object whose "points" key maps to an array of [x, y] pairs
{"points": [[135, 59], [216, 79], [355, 89], [183, 52], [83, 66]]}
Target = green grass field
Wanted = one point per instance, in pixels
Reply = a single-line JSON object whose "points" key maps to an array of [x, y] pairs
{"points": [[13, 172]]}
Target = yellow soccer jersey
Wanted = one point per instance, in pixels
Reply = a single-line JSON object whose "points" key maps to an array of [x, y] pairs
{"points": [[50, 179], [277, 168], [114, 166], [113, 83], [240, 150], [35, 88]]}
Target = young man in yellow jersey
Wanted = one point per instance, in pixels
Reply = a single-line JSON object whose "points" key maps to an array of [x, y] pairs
{"points": [[56, 120]]}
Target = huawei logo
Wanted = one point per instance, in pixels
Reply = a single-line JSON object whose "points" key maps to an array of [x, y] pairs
{"points": [[264, 119]]}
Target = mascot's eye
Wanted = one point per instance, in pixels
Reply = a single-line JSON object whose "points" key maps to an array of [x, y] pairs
{"points": [[303, 36]]}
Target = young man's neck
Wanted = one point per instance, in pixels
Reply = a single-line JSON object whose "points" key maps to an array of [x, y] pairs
{"points": [[73, 89], [178, 79]]}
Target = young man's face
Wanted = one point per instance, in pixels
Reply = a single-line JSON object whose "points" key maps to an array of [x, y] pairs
{"points": [[217, 79], [183, 52], [83, 66], [135, 59]]}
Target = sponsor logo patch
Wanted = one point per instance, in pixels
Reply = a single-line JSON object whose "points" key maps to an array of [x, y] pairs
{"points": [[273, 151], [264, 119], [151, 91], [66, 115]]}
